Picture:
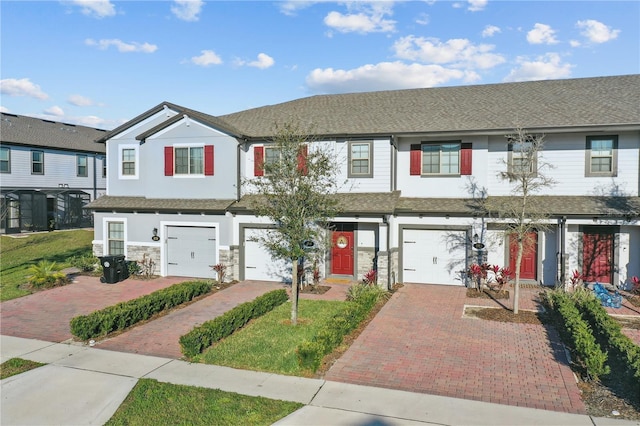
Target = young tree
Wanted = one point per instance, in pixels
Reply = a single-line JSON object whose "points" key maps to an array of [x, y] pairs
{"points": [[526, 172], [296, 193]]}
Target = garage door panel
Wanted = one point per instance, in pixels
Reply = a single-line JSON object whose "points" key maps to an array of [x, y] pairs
{"points": [[433, 256], [191, 250], [259, 264]]}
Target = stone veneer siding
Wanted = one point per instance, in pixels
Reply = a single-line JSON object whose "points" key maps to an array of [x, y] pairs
{"points": [[136, 253], [394, 264], [383, 269], [233, 259]]}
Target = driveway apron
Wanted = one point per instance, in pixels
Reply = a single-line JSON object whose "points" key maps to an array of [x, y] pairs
{"points": [[420, 342], [46, 315], [161, 337]]}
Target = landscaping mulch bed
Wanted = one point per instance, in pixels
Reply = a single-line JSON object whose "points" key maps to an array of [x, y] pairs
{"points": [[315, 289], [634, 300], [502, 315], [487, 293]]}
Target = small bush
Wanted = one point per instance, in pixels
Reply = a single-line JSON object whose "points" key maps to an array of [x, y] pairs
{"points": [[203, 336], [361, 298], [126, 314], [46, 274], [86, 262], [577, 333]]}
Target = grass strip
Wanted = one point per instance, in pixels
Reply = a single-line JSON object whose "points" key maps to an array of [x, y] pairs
{"points": [[14, 366], [269, 343], [18, 254], [155, 403]]}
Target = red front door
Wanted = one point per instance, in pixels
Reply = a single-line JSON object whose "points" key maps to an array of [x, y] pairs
{"points": [[529, 262], [597, 258], [342, 253]]}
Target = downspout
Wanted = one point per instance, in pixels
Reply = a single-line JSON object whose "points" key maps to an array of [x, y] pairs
{"points": [[95, 177], [238, 183], [394, 162], [563, 224]]}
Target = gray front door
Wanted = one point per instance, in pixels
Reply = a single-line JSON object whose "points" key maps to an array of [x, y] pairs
{"points": [[191, 251]]}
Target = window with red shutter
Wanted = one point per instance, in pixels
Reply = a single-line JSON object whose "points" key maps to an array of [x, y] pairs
{"points": [[302, 159], [466, 159], [415, 166], [168, 161], [208, 160]]}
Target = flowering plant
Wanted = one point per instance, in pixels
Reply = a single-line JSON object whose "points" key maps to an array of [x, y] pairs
{"points": [[370, 277], [635, 289], [221, 270]]}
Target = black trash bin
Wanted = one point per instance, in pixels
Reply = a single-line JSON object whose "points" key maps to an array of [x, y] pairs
{"points": [[111, 268], [122, 268]]}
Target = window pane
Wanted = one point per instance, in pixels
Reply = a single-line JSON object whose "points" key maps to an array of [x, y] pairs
{"points": [[360, 159], [128, 155], [601, 164], [271, 156], [182, 161], [4, 160], [197, 161], [116, 238], [430, 158], [129, 162], [4, 154], [116, 247], [450, 159], [601, 148]]}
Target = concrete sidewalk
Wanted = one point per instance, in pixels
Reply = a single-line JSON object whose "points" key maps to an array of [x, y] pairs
{"points": [[83, 385]]}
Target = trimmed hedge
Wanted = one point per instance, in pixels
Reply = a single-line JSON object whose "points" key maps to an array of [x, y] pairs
{"points": [[364, 298], [203, 336], [608, 333], [126, 314], [577, 332]]}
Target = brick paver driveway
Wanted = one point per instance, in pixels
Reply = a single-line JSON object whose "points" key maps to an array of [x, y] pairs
{"points": [[420, 342]]}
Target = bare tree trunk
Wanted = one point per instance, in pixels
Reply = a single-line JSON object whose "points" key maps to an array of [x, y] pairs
{"points": [[294, 292], [516, 287]]}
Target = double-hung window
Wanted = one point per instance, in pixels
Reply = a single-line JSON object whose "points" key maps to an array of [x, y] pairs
{"points": [[115, 238], [445, 158], [5, 160], [271, 156], [189, 160], [360, 159], [128, 162], [522, 157], [37, 162], [81, 165], [601, 156]]}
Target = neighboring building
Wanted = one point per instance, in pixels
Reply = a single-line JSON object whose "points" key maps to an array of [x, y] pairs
{"points": [[415, 162], [48, 172]]}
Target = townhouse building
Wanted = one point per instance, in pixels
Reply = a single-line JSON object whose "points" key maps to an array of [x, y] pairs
{"points": [[423, 188], [48, 172]]}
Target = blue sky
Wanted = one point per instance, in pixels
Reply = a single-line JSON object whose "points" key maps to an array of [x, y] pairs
{"points": [[100, 62]]}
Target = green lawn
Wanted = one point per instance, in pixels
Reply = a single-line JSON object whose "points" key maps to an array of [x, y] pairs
{"points": [[17, 254], [155, 403], [268, 343], [15, 366]]}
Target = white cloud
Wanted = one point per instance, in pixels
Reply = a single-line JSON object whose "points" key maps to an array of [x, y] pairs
{"points": [[95, 8], [383, 76], [187, 10], [423, 19], [54, 110], [477, 5], [121, 45], [456, 52], [541, 34], [549, 66], [367, 18], [291, 7], [574, 43], [264, 61], [21, 87], [4, 109], [79, 100], [207, 58], [597, 32], [490, 31]]}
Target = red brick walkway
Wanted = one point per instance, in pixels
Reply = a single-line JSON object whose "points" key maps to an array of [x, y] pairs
{"points": [[420, 342], [46, 315]]}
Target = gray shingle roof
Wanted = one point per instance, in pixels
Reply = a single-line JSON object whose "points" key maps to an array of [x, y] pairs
{"points": [[599, 101], [614, 207], [23, 130], [107, 202]]}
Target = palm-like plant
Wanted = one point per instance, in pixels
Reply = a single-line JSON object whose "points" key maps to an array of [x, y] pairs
{"points": [[46, 274]]}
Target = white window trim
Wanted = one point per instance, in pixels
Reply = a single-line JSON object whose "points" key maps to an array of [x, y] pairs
{"points": [[136, 148], [105, 234], [188, 175]]}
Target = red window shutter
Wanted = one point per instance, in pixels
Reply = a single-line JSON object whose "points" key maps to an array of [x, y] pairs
{"points": [[302, 160], [415, 165], [465, 159], [168, 161], [208, 160], [258, 161]]}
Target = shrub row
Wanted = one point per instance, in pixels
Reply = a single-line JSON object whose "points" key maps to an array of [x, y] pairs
{"points": [[361, 299], [203, 336], [575, 330], [126, 314], [608, 333]]}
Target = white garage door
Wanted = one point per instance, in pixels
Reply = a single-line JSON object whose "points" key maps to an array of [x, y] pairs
{"points": [[191, 251], [433, 256], [258, 262]]}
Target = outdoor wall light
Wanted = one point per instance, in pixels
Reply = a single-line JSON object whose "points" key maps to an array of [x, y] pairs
{"points": [[155, 235]]}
